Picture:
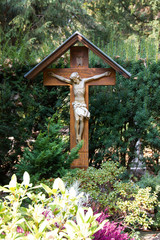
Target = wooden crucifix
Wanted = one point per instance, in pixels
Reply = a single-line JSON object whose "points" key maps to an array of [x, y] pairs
{"points": [[79, 77], [78, 65]]}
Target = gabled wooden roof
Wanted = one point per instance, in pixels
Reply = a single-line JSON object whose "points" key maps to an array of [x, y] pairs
{"points": [[76, 37]]}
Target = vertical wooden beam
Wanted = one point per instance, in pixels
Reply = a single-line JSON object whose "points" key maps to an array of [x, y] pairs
{"points": [[79, 59]]}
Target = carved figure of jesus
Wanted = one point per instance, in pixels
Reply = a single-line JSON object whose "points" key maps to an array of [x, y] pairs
{"points": [[79, 105]]}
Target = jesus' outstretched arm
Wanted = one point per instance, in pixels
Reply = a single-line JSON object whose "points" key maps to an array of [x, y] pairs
{"points": [[60, 77], [97, 76]]}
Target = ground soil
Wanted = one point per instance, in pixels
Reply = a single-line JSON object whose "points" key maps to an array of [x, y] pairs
{"points": [[150, 235]]}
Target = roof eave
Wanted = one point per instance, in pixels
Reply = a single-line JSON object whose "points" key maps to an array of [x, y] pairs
{"points": [[65, 46], [53, 56]]}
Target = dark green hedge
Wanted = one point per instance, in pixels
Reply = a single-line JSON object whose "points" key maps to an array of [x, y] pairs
{"points": [[25, 105], [120, 114], [125, 113]]}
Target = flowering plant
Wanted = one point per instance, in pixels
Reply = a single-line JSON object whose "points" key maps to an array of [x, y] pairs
{"points": [[60, 215], [110, 230]]}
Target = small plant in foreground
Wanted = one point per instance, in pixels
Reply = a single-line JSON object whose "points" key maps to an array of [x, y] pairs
{"points": [[58, 216], [152, 181], [137, 211], [111, 230]]}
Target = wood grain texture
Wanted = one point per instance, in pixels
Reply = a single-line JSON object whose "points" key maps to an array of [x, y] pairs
{"points": [[79, 54], [84, 73]]}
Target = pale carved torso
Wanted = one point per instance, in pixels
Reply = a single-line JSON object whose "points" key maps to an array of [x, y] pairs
{"points": [[79, 91]]}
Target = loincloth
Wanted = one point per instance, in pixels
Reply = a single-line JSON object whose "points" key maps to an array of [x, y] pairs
{"points": [[81, 109]]}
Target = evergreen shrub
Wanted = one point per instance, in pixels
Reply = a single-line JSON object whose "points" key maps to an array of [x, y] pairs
{"points": [[125, 113], [121, 114], [150, 180], [24, 107], [48, 155]]}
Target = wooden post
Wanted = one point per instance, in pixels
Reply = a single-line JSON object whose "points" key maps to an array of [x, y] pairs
{"points": [[79, 59]]}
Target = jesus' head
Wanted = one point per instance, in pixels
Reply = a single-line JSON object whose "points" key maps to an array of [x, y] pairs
{"points": [[75, 77]]}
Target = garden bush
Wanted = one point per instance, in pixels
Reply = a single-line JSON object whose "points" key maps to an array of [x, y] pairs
{"points": [[137, 211], [59, 215], [111, 230], [48, 155], [25, 106], [125, 200], [123, 114], [152, 181], [120, 116], [104, 185]]}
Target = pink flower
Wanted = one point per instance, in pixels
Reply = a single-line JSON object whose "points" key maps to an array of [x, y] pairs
{"points": [[111, 230], [20, 230]]}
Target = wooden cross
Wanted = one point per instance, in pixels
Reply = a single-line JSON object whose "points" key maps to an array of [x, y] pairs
{"points": [[79, 63]]}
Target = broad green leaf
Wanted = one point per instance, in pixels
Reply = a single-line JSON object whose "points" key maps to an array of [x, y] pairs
{"points": [[43, 225], [89, 215], [26, 179], [23, 210], [13, 183], [55, 208], [59, 184], [80, 216], [46, 188], [3, 189], [2, 207], [71, 228]]}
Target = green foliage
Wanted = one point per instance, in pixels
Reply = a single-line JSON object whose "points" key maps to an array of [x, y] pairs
{"points": [[59, 216], [124, 199], [48, 157], [152, 181], [44, 25], [24, 108], [136, 211], [123, 114], [126, 17], [30, 30], [120, 115], [103, 184]]}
